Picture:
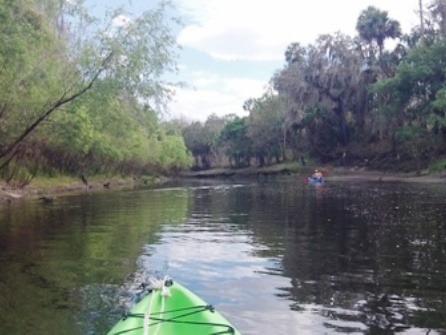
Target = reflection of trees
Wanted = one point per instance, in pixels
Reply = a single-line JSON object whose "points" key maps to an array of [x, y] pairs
{"points": [[369, 255], [54, 256]]}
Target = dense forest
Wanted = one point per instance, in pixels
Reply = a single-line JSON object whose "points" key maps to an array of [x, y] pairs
{"points": [[82, 95], [345, 100]]}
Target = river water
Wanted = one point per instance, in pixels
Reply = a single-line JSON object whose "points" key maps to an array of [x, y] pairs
{"points": [[275, 258]]}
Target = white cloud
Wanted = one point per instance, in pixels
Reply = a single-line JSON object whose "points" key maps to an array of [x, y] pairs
{"points": [[261, 30], [204, 79], [122, 21], [214, 94], [257, 31]]}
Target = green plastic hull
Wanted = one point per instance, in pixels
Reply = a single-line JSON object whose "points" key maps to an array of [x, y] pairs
{"points": [[181, 313]]}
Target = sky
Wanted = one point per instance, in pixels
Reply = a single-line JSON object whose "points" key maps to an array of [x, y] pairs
{"points": [[232, 48]]}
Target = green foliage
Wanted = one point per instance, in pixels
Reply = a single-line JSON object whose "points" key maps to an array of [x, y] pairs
{"points": [[342, 94], [438, 119], [31, 64], [329, 77], [51, 54], [195, 139], [173, 153], [415, 95], [81, 99], [235, 141], [323, 127], [409, 134], [344, 98], [374, 25], [18, 175], [438, 165], [202, 141], [265, 128]]}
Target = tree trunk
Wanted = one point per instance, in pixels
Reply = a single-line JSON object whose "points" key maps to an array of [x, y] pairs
{"points": [[420, 4]]}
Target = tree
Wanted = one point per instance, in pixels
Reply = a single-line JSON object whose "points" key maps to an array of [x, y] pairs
{"points": [[414, 103], [235, 141], [374, 25], [202, 141], [264, 128], [45, 69], [32, 72], [327, 78], [195, 140], [173, 155]]}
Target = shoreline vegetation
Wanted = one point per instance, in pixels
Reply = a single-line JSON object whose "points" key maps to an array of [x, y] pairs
{"points": [[48, 188], [71, 105]]}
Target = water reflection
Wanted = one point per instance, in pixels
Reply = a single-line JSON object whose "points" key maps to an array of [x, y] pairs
{"points": [[342, 258], [360, 252], [61, 265], [279, 257]]}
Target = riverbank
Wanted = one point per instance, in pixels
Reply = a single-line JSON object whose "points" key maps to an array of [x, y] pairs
{"points": [[50, 188], [47, 188], [330, 173]]}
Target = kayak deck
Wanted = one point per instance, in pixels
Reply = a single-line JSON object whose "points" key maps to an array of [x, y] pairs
{"points": [[172, 310]]}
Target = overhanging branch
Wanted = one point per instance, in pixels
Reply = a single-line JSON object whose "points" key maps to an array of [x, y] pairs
{"points": [[9, 152]]}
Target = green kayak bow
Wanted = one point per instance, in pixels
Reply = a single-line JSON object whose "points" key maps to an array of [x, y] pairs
{"points": [[171, 309]]}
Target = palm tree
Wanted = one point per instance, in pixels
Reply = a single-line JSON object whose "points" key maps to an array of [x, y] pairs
{"points": [[374, 24]]}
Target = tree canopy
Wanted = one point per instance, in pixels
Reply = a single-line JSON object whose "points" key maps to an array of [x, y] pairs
{"points": [[352, 99], [81, 94]]}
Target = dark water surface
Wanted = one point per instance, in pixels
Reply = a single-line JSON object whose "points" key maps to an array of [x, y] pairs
{"points": [[274, 258]]}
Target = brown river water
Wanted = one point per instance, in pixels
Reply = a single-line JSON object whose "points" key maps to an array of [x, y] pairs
{"points": [[281, 257]]}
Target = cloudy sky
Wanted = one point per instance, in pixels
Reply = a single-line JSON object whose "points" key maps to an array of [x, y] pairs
{"points": [[231, 48]]}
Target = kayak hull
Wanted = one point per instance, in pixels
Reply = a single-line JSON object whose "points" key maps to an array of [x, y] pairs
{"points": [[313, 180], [181, 312]]}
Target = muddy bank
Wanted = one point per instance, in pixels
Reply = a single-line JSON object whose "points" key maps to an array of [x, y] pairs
{"points": [[9, 194]]}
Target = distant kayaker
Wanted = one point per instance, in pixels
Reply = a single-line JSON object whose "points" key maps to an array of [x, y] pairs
{"points": [[317, 174]]}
